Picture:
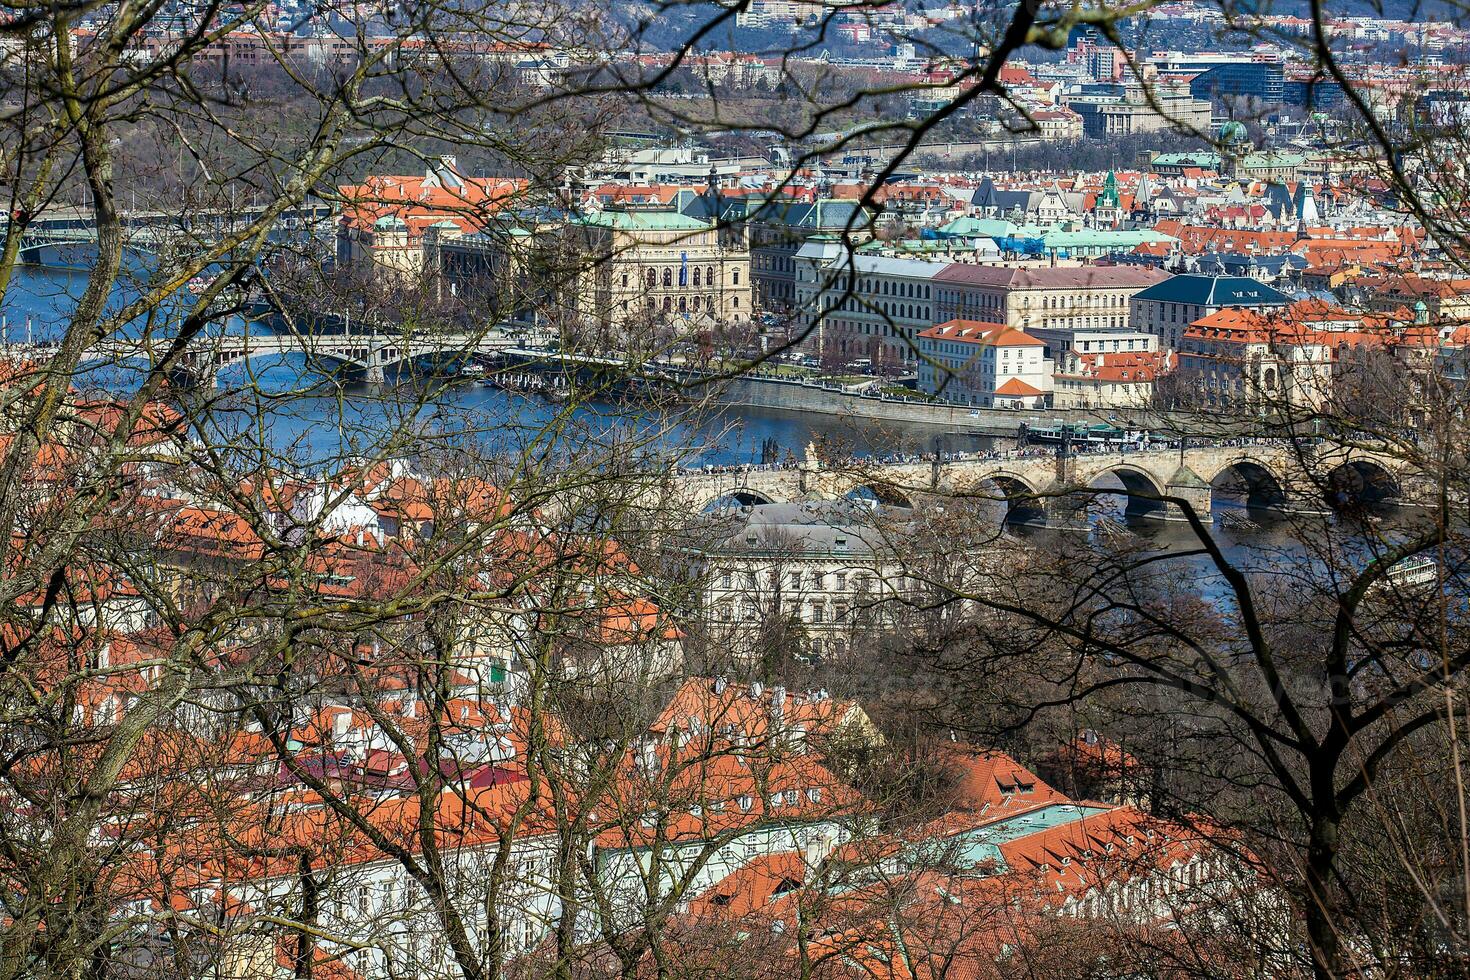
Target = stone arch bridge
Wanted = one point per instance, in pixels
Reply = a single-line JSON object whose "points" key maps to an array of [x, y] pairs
{"points": [[1052, 489]]}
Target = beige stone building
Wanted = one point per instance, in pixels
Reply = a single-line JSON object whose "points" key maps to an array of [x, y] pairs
{"points": [[1110, 116], [1050, 303], [658, 265], [387, 220], [1104, 379]]}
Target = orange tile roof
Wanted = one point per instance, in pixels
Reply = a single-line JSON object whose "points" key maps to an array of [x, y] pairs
{"points": [[981, 332], [1017, 387]]}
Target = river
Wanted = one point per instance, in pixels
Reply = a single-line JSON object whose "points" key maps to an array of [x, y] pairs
{"points": [[314, 427], [311, 429]]}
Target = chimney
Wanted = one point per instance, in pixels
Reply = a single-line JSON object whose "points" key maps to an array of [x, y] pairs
{"points": [[720, 685], [778, 704]]}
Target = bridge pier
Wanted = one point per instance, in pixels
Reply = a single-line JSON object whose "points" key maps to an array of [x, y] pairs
{"points": [[1298, 497], [1186, 485], [374, 374], [1057, 508]]}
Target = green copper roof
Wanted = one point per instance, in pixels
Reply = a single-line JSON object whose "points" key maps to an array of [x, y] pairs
{"points": [[1202, 159], [642, 221], [1102, 237], [983, 844], [1273, 158], [977, 228]]}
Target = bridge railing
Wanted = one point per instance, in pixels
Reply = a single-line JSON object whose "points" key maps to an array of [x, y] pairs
{"points": [[992, 455]]}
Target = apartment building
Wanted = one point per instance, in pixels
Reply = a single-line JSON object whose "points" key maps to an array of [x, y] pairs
{"points": [[778, 230], [1167, 308], [1103, 379], [387, 221], [969, 362], [1046, 302], [1241, 357], [821, 564], [855, 305]]}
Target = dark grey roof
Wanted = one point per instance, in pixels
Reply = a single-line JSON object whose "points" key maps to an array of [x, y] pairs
{"points": [[826, 214], [1235, 264], [1214, 291], [710, 206], [815, 528], [987, 195]]}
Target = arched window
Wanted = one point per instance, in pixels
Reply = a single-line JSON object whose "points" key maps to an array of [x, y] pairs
{"points": [[651, 279], [1268, 380], [668, 278], [668, 303], [697, 298], [709, 274], [696, 277]]}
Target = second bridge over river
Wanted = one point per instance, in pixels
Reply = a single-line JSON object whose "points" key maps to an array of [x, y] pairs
{"points": [[366, 357], [1054, 489]]}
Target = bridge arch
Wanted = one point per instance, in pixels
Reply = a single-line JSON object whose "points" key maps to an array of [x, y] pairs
{"points": [[1141, 488], [733, 498], [1015, 494], [879, 492], [1360, 485], [209, 365], [1250, 481]]}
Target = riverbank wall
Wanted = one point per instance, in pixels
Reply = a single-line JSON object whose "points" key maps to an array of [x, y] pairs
{"points": [[806, 396]]}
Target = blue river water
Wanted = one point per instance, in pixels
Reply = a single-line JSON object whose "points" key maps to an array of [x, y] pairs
{"points": [[314, 421], [309, 429]]}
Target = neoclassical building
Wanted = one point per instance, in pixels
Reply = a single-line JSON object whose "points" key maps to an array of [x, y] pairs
{"points": [[1055, 302], [824, 565], [656, 265]]}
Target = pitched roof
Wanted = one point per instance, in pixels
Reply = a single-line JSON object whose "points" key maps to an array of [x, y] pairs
{"points": [[1214, 291], [981, 332], [1015, 387], [643, 220], [1083, 277]]}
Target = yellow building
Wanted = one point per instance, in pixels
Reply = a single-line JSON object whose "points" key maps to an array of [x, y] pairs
{"points": [[656, 265]]}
